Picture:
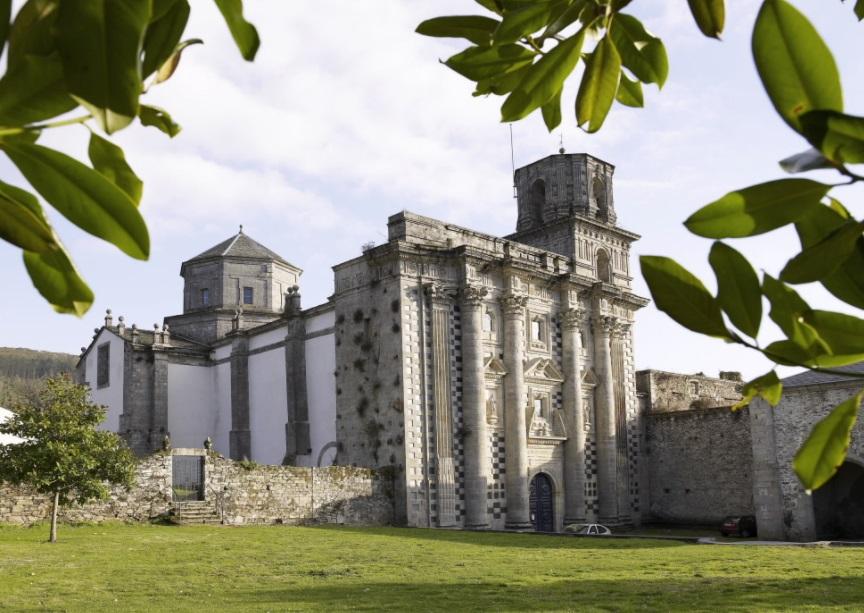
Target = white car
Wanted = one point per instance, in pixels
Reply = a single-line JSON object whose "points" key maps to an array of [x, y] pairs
{"points": [[588, 529]]}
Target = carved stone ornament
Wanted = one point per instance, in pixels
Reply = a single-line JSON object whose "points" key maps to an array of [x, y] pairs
{"points": [[605, 323], [572, 319], [621, 328], [514, 304], [472, 295], [438, 292]]}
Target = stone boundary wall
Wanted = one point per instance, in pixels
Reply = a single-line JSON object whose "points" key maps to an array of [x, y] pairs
{"points": [[241, 493], [699, 465]]}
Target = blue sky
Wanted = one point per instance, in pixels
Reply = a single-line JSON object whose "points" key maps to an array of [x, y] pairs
{"points": [[346, 117]]}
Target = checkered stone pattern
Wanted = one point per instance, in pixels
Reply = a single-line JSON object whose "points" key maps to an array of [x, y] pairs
{"points": [[497, 508], [591, 504], [633, 448], [557, 343], [412, 380], [456, 404]]}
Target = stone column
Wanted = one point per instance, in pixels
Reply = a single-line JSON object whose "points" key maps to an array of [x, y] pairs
{"points": [[240, 437], [571, 392], [476, 445], [607, 465], [515, 428], [445, 473]]}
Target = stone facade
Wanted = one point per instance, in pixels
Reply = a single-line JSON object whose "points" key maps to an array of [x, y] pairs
{"points": [[661, 391], [242, 493]]}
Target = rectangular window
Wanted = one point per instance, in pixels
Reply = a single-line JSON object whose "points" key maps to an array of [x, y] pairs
{"points": [[205, 297], [248, 295], [103, 365]]}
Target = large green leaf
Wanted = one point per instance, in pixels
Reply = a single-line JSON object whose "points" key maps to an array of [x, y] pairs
{"points": [[738, 290], [100, 44], [791, 354], [757, 209], [552, 112], [787, 309], [5, 16], [83, 196], [840, 137], [478, 63], [682, 296], [22, 222], [768, 386], [843, 333], [630, 92], [32, 31], [109, 160], [163, 35], [821, 259], [568, 16], [159, 119], [544, 80], [492, 5], [501, 84], [524, 21], [710, 16], [795, 65], [599, 85], [846, 281], [33, 90], [476, 28], [824, 451], [55, 277], [641, 53], [244, 33], [167, 69]]}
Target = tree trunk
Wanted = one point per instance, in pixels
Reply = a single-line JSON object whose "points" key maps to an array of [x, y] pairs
{"points": [[54, 517]]}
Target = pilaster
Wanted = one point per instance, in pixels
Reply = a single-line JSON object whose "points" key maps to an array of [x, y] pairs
{"points": [[571, 390], [240, 437], [607, 460], [476, 445]]}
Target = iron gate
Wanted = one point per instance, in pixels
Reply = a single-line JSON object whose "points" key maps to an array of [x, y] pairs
{"points": [[187, 477], [542, 512]]}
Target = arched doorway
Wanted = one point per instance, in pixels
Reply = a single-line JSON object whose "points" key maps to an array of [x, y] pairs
{"points": [[838, 506], [542, 503]]}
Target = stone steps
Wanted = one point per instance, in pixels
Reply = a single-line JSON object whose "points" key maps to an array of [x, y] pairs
{"points": [[194, 512]]}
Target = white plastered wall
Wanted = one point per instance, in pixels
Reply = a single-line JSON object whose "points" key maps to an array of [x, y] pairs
{"points": [[222, 376], [321, 389], [191, 417], [111, 395], [268, 402], [7, 439]]}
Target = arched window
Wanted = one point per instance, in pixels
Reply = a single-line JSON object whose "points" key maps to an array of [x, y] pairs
{"points": [[488, 322], [598, 188], [537, 330], [604, 270], [537, 201]]}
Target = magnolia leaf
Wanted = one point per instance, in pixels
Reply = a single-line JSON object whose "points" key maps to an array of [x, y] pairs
{"points": [[795, 65], [109, 160], [544, 80], [641, 53], [710, 16], [682, 296], [569, 16], [840, 137], [738, 290], [787, 308], [843, 333], [55, 277], [83, 196], [244, 33], [599, 85], [22, 222], [159, 119], [812, 159], [757, 209], [167, 69], [32, 90], [824, 451], [163, 35], [630, 92], [5, 16], [552, 112], [847, 280], [478, 63], [522, 21], [32, 32], [501, 84], [823, 258], [768, 386], [476, 28], [492, 5]]}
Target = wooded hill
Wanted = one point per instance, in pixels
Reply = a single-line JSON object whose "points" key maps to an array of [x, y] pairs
{"points": [[21, 371]]}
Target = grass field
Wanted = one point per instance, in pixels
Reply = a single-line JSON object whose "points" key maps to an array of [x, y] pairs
{"points": [[116, 567]]}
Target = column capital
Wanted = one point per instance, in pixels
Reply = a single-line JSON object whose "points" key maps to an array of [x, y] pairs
{"points": [[472, 295], [604, 323], [513, 304], [437, 292], [621, 328], [572, 319]]}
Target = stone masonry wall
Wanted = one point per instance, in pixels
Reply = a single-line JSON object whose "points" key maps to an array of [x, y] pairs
{"points": [[698, 465], [242, 493]]}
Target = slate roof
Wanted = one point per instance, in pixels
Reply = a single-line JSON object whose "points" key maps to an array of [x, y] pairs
{"points": [[241, 246], [818, 378]]}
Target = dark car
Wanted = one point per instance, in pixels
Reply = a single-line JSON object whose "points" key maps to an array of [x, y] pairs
{"points": [[739, 525]]}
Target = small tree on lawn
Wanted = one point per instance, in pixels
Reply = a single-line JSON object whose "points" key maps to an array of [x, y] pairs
{"points": [[63, 454]]}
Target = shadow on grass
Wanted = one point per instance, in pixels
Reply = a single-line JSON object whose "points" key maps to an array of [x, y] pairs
{"points": [[525, 540], [727, 593]]}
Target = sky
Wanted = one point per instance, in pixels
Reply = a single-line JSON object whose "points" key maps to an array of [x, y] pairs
{"points": [[346, 117]]}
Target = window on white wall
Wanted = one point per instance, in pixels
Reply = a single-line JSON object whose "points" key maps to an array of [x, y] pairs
{"points": [[103, 365]]}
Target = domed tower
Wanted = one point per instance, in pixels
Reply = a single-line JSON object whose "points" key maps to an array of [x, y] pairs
{"points": [[237, 284]]}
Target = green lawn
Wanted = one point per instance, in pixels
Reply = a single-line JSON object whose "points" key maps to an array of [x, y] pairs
{"points": [[116, 567]]}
